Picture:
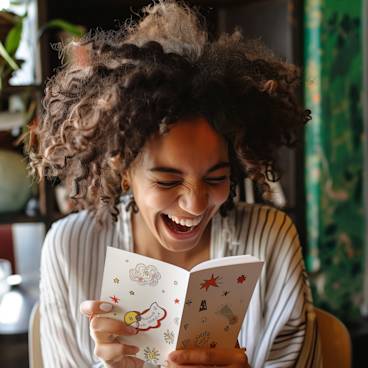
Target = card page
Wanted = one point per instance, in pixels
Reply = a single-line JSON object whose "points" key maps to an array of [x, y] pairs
{"points": [[215, 305], [149, 295]]}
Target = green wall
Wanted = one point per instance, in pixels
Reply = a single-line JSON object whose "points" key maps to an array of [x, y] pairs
{"points": [[334, 153]]}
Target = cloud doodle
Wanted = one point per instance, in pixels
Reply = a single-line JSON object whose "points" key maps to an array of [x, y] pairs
{"points": [[145, 275]]}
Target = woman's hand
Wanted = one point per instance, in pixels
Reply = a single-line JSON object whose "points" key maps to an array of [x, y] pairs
{"points": [[107, 333], [235, 358]]}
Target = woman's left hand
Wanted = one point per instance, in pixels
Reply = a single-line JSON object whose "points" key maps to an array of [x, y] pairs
{"points": [[235, 358]]}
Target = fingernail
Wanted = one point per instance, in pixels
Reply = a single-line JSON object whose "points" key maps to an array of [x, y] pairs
{"points": [[136, 349], [132, 330], [106, 307], [173, 356]]}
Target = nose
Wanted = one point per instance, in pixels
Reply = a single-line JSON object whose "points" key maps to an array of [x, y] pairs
{"points": [[194, 201]]}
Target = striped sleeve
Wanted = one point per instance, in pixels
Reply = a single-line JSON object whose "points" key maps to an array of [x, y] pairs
{"points": [[280, 328], [58, 330], [291, 338]]}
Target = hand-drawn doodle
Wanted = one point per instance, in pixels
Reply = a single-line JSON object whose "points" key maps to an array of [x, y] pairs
{"points": [[115, 299], [176, 320], [185, 343], [241, 279], [226, 312], [188, 302], [131, 292], [204, 320], [203, 306], [225, 293], [116, 280], [145, 275], [213, 281], [149, 318], [151, 355], [213, 344], [176, 301], [202, 338], [165, 364], [169, 337], [175, 283]]}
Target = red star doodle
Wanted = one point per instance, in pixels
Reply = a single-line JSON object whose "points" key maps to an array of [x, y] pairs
{"points": [[211, 282], [241, 279], [115, 299], [176, 301]]}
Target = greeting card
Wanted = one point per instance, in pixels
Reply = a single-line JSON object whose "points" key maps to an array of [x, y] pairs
{"points": [[173, 308]]}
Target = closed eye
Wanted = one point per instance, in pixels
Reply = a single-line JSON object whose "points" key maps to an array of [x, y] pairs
{"points": [[167, 184], [216, 179]]}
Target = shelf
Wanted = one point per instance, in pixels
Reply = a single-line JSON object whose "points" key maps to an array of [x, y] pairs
{"points": [[11, 90], [20, 217]]}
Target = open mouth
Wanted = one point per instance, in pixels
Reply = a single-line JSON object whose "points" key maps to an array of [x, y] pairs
{"points": [[177, 228]]}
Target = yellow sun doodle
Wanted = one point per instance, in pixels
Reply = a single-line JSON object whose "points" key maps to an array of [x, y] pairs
{"points": [[131, 318]]}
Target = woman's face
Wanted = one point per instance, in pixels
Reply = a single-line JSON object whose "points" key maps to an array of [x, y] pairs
{"points": [[179, 182]]}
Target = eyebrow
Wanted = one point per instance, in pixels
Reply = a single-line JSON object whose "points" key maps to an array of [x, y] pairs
{"points": [[172, 170]]}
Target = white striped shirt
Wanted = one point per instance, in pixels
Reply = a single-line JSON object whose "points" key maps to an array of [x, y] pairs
{"points": [[279, 329]]}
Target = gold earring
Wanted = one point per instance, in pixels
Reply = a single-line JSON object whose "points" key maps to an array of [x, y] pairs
{"points": [[126, 186]]}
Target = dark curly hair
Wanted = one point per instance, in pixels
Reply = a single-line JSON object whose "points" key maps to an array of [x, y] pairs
{"points": [[141, 79]]}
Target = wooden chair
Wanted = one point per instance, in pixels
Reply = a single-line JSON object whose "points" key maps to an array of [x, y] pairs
{"points": [[335, 341], [34, 339]]}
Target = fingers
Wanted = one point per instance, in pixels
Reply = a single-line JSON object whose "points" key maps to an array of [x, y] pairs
{"points": [[236, 357], [113, 352], [103, 329], [118, 353], [91, 307]]}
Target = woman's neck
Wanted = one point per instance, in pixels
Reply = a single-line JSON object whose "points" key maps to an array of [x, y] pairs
{"points": [[145, 244]]}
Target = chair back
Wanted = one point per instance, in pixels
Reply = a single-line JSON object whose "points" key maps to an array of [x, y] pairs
{"points": [[335, 341], [34, 339]]}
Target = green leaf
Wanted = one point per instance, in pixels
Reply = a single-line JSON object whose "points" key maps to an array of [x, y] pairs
{"points": [[73, 29], [7, 57], [13, 38], [14, 2]]}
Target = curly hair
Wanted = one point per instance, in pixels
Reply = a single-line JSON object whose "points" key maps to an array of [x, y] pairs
{"points": [[146, 76]]}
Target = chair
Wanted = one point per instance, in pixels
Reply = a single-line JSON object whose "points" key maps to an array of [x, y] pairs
{"points": [[335, 341], [34, 340]]}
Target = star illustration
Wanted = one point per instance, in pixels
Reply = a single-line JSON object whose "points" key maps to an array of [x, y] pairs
{"points": [[115, 299], [116, 280], [131, 292], [211, 282], [176, 301], [241, 279]]}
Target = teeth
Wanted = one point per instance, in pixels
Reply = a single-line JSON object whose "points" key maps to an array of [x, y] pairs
{"points": [[186, 222]]}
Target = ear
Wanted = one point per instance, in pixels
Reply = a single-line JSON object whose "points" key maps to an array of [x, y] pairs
{"points": [[125, 182]]}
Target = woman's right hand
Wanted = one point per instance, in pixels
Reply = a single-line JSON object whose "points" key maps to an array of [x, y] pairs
{"points": [[107, 333]]}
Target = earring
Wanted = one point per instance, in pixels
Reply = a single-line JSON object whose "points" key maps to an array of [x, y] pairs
{"points": [[131, 205]]}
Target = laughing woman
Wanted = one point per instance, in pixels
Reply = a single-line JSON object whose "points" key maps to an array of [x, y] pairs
{"points": [[154, 132]]}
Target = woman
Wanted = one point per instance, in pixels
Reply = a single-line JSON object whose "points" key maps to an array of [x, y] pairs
{"points": [[154, 131]]}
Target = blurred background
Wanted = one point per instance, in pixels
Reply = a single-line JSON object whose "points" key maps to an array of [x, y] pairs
{"points": [[324, 184]]}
